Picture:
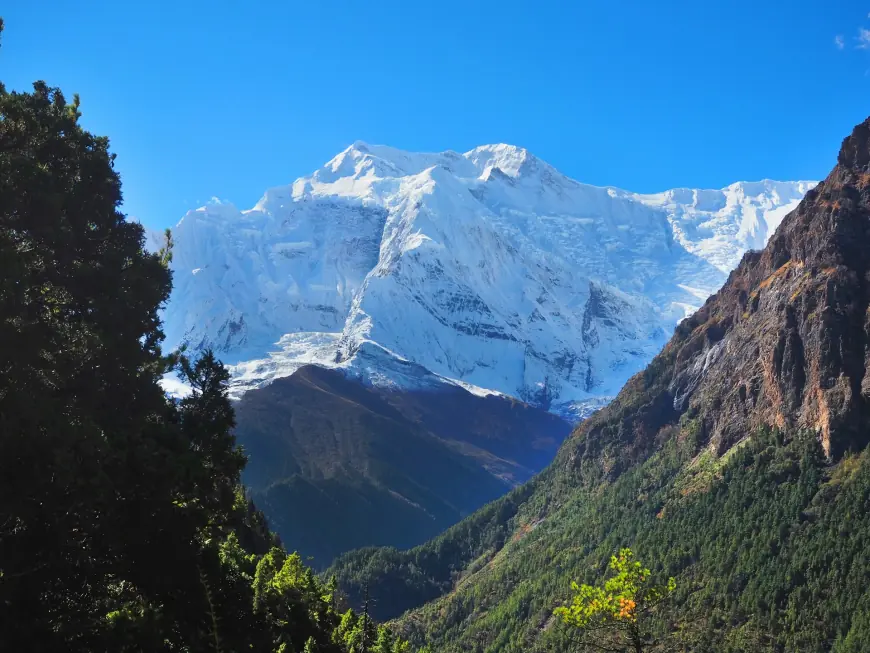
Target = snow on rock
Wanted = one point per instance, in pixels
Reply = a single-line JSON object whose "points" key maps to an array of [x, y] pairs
{"points": [[174, 387], [720, 225], [489, 269]]}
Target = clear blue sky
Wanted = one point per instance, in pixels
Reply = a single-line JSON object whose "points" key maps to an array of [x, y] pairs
{"points": [[226, 98]]}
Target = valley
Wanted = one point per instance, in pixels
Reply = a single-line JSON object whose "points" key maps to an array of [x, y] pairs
{"points": [[337, 465]]}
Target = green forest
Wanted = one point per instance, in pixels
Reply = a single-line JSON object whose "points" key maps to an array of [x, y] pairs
{"points": [[767, 548]]}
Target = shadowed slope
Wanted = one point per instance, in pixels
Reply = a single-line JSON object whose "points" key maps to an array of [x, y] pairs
{"points": [[338, 465]]}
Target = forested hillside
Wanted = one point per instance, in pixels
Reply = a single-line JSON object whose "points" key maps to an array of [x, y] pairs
{"points": [[123, 526], [735, 462]]}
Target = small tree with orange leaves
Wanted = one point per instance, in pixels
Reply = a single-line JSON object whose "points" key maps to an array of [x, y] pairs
{"points": [[619, 608]]}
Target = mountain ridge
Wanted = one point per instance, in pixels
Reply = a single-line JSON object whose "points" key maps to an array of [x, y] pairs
{"points": [[490, 254], [791, 326]]}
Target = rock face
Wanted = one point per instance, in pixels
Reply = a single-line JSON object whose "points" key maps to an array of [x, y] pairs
{"points": [[490, 268], [785, 343]]}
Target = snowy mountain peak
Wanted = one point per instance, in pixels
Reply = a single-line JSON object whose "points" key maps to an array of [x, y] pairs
{"points": [[380, 161], [488, 268], [513, 161]]}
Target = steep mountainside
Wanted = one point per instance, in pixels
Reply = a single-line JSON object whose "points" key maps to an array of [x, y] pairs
{"points": [[337, 465], [490, 268], [736, 462]]}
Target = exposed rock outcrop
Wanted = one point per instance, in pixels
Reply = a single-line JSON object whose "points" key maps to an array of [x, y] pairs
{"points": [[785, 343]]}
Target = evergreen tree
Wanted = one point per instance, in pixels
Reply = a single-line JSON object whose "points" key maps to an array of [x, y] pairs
{"points": [[85, 429], [123, 525], [207, 421]]}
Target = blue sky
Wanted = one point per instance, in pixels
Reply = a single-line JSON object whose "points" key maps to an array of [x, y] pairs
{"points": [[227, 98]]}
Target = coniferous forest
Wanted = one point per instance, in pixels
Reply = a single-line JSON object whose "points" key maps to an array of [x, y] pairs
{"points": [[767, 550], [123, 524]]}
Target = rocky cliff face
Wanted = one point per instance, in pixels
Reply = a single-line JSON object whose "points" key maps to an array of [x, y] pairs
{"points": [[785, 343]]}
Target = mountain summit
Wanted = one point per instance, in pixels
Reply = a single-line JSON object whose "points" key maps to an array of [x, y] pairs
{"points": [[489, 269]]}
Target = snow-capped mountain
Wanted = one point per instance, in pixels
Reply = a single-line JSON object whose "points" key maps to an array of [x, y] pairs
{"points": [[490, 269]]}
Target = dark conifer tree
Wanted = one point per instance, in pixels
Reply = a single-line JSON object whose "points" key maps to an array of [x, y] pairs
{"points": [[83, 422], [107, 489], [123, 524]]}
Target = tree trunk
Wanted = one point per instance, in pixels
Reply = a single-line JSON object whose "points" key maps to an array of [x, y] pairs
{"points": [[636, 640]]}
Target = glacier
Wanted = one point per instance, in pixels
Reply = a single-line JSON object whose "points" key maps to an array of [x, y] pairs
{"points": [[488, 269]]}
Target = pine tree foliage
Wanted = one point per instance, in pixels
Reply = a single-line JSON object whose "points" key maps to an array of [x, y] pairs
{"points": [[123, 525], [767, 546]]}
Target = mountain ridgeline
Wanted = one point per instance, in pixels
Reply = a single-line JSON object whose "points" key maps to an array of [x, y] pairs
{"points": [[489, 268], [737, 462]]}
